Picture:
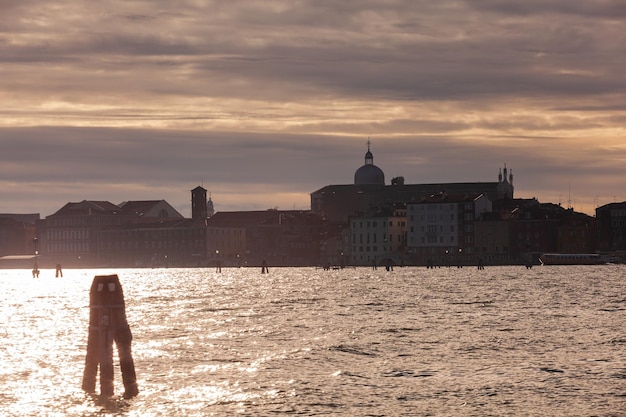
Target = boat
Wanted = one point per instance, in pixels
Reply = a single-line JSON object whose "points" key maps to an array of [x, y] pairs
{"points": [[571, 259]]}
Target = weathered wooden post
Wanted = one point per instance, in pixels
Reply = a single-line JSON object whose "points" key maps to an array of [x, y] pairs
{"points": [[107, 323]]}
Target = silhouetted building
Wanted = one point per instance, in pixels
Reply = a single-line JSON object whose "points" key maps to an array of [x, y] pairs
{"points": [[577, 233], [210, 209], [337, 203], [441, 228], [171, 243], [369, 174], [494, 237], [280, 237], [17, 232], [611, 226], [380, 238], [199, 203], [69, 236]]}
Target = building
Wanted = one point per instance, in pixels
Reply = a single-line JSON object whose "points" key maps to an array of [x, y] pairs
{"points": [[369, 174], [338, 203], [379, 239], [70, 236], [611, 227], [441, 228], [278, 237], [577, 233], [494, 237], [17, 232], [18, 240], [172, 243], [199, 206]]}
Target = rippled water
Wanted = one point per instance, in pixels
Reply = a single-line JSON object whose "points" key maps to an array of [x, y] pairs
{"points": [[504, 341]]}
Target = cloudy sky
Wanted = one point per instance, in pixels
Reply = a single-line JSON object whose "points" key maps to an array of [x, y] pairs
{"points": [[264, 101]]}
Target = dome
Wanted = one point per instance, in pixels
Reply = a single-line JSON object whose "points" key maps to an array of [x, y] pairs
{"points": [[369, 174]]}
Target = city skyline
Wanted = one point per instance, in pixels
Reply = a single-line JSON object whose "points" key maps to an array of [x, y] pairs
{"points": [[264, 102]]}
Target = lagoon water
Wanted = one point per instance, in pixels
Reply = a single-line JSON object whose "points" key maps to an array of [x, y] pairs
{"points": [[504, 341]]}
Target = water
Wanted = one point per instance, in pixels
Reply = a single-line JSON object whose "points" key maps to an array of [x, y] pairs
{"points": [[504, 341]]}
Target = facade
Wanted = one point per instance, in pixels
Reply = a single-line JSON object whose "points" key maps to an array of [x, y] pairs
{"points": [[17, 232], [70, 236], [278, 237], [577, 233], [494, 241], [226, 243], [199, 205], [611, 227], [180, 243], [379, 239], [441, 228]]}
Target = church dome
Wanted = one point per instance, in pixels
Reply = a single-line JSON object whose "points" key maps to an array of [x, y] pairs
{"points": [[369, 173]]}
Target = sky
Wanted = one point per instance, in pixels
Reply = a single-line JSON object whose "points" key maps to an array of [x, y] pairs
{"points": [[262, 102]]}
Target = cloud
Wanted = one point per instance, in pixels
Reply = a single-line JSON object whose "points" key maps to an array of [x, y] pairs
{"points": [[274, 99]]}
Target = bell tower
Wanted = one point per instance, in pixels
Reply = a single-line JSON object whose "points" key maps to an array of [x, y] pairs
{"points": [[505, 183], [198, 203]]}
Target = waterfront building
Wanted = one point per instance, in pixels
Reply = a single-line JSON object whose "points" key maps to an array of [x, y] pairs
{"points": [[278, 237], [17, 244], [379, 239], [440, 228], [199, 206], [338, 203], [70, 235], [611, 227], [175, 242], [577, 233]]}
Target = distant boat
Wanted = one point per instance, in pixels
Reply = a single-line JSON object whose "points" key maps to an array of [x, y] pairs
{"points": [[571, 259]]}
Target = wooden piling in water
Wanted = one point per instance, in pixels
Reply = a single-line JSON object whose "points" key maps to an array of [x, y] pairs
{"points": [[108, 324]]}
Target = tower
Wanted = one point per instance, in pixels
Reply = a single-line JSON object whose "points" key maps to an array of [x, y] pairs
{"points": [[210, 210], [505, 183], [198, 203]]}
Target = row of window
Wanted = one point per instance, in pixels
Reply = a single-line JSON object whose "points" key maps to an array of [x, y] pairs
{"points": [[356, 249], [158, 244], [236, 232], [443, 252], [150, 234], [440, 207], [73, 234], [374, 238], [435, 218], [67, 247], [374, 223]]}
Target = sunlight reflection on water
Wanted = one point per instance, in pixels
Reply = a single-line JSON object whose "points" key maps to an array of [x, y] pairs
{"points": [[503, 341]]}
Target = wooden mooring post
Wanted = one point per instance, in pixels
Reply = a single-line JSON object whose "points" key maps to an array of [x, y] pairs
{"points": [[107, 324]]}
